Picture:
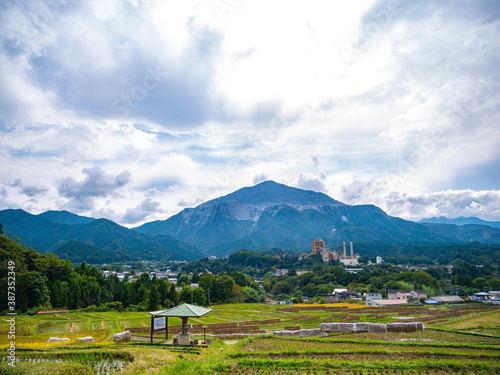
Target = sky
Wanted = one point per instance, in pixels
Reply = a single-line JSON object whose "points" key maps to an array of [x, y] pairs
{"points": [[133, 110]]}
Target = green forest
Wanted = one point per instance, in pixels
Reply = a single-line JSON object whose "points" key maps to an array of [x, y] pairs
{"points": [[44, 282]]}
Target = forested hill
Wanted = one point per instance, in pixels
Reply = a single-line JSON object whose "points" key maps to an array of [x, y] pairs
{"points": [[79, 238], [45, 282], [258, 263]]}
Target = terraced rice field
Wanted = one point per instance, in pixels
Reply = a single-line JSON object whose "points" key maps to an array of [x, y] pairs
{"points": [[463, 341], [328, 356]]}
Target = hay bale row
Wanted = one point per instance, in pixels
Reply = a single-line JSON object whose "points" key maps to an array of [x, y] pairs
{"points": [[350, 318], [300, 317], [310, 318], [405, 327], [307, 308], [376, 316], [340, 308], [220, 325]]}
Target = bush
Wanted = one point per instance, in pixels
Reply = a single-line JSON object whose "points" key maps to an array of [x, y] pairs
{"points": [[143, 306]]}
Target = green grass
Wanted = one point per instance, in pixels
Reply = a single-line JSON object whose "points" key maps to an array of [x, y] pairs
{"points": [[428, 352]]}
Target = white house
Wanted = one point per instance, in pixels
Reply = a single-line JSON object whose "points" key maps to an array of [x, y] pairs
{"points": [[405, 294], [372, 296]]}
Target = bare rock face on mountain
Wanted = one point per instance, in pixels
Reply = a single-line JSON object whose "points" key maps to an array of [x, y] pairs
{"points": [[264, 216], [275, 215]]}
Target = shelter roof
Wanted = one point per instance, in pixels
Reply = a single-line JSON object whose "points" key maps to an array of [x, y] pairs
{"points": [[185, 310]]}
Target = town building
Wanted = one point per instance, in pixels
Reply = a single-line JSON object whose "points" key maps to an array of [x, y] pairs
{"points": [[281, 272], [329, 297], [372, 296], [404, 294], [386, 302], [447, 299]]}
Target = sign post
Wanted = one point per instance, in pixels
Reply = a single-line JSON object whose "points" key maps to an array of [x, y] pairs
{"points": [[159, 323]]}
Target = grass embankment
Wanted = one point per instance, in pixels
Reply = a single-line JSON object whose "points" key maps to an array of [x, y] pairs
{"points": [[487, 323]]}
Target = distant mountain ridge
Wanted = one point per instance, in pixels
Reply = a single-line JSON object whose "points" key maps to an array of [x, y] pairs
{"points": [[65, 217], [113, 240], [265, 216], [460, 221], [271, 215]]}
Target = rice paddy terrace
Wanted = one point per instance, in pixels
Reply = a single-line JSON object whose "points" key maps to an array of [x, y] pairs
{"points": [[458, 339]]}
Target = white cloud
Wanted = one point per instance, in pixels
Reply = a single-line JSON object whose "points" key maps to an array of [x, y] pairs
{"points": [[97, 183], [190, 102]]}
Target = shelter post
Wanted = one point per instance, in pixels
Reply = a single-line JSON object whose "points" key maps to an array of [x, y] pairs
{"points": [[152, 326]]}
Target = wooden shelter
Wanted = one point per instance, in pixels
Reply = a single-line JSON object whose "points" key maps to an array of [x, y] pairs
{"points": [[159, 319]]}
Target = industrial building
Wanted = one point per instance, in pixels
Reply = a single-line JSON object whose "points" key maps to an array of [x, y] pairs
{"points": [[318, 247]]}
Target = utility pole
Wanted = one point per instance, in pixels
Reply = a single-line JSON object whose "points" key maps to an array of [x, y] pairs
{"points": [[191, 296], [209, 297]]}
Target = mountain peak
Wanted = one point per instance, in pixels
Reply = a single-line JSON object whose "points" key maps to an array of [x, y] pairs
{"points": [[65, 217], [272, 193]]}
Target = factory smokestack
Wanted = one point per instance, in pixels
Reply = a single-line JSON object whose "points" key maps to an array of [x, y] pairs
{"points": [[352, 252], [345, 254]]}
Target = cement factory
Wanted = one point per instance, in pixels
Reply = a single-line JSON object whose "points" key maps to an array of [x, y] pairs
{"points": [[318, 247]]}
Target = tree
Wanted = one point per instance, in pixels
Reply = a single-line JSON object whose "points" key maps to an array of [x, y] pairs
{"points": [[183, 281], [172, 297], [142, 293], [199, 297], [479, 283], [223, 288], [185, 294], [128, 295], [206, 281], [238, 294], [153, 298], [162, 289], [31, 290], [280, 287], [251, 295], [195, 278], [494, 284]]}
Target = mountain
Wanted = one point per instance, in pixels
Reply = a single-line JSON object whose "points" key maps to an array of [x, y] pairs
{"points": [[272, 215], [65, 217], [461, 221], [265, 216], [78, 252], [110, 238]]}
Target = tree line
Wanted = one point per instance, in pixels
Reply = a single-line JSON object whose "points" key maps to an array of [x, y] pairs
{"points": [[45, 282]]}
